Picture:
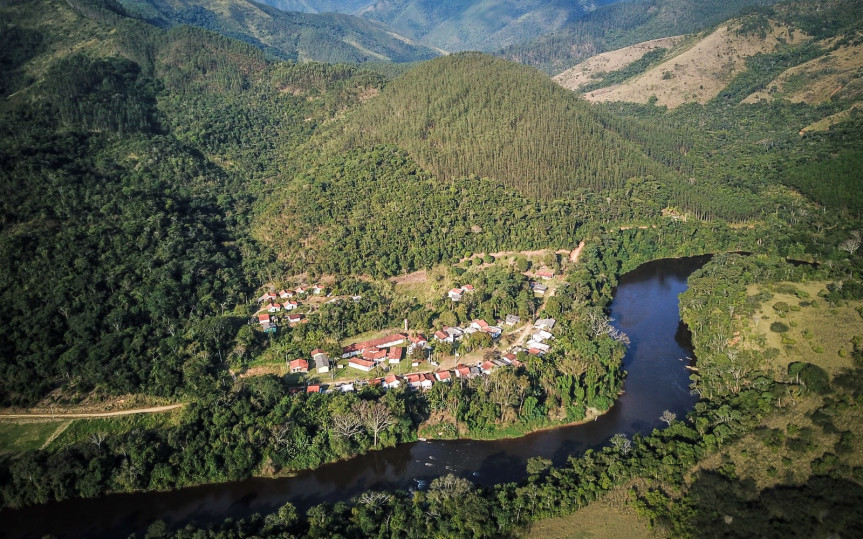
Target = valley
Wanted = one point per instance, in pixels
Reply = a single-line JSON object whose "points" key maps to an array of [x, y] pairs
{"points": [[303, 241]]}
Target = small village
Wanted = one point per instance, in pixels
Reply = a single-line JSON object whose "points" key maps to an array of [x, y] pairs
{"points": [[403, 359]]}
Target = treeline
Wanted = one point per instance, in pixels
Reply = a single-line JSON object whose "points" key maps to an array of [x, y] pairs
{"points": [[229, 434], [375, 211]]}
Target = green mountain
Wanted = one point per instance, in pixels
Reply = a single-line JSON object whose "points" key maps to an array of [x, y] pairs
{"points": [[330, 37], [620, 25], [471, 113]]}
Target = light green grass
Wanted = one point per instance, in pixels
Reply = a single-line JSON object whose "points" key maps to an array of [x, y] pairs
{"points": [[16, 437], [81, 430], [830, 329]]}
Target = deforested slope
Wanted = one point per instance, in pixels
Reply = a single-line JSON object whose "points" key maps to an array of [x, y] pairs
{"points": [[474, 114]]}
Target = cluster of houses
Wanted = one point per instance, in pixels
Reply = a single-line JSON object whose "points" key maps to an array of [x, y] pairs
{"points": [[423, 381], [367, 355], [271, 307], [537, 344], [452, 334]]}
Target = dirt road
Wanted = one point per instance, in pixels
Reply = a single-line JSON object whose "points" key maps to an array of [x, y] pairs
{"points": [[61, 415]]}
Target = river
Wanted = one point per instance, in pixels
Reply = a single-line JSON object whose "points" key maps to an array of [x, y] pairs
{"points": [[645, 307]]}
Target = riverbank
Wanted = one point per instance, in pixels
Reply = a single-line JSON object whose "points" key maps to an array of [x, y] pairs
{"points": [[446, 430]]}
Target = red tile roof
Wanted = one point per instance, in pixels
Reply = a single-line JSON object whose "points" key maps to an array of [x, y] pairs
{"points": [[395, 353], [374, 354], [299, 364], [313, 389]]}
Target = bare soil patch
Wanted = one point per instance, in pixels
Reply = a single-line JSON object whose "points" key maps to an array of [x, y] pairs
{"points": [[700, 72], [420, 276], [836, 75], [593, 68]]}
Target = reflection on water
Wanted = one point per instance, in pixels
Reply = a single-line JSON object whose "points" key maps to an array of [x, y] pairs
{"points": [[645, 308]]}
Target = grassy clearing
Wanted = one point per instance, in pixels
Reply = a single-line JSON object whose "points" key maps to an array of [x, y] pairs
{"points": [[817, 332], [608, 517], [19, 436], [80, 430], [787, 444]]}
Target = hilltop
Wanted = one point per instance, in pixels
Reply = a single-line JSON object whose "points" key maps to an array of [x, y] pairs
{"points": [[471, 113]]}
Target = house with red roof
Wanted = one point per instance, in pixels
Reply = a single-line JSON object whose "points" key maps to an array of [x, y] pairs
{"points": [[285, 294], [443, 376], [295, 318], [268, 296], [545, 274], [462, 371], [275, 307], [264, 319], [361, 364], [299, 365], [392, 381], [313, 389], [395, 355], [487, 367], [414, 380], [417, 341], [291, 305], [374, 354]]}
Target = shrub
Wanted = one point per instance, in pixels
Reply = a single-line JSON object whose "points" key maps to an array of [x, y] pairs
{"points": [[778, 327]]}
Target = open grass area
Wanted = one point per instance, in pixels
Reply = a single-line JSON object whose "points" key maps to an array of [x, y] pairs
{"points": [[788, 444], [18, 436], [608, 517], [81, 429], [815, 331]]}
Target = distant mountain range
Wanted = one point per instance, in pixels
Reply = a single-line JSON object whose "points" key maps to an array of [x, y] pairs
{"points": [[458, 25], [288, 35]]}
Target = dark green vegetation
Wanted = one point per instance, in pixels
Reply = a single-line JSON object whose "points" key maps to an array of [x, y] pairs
{"points": [[329, 37], [118, 158], [152, 179]]}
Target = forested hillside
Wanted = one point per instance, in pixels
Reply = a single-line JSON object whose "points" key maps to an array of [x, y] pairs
{"points": [[620, 25], [330, 37], [143, 149]]}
